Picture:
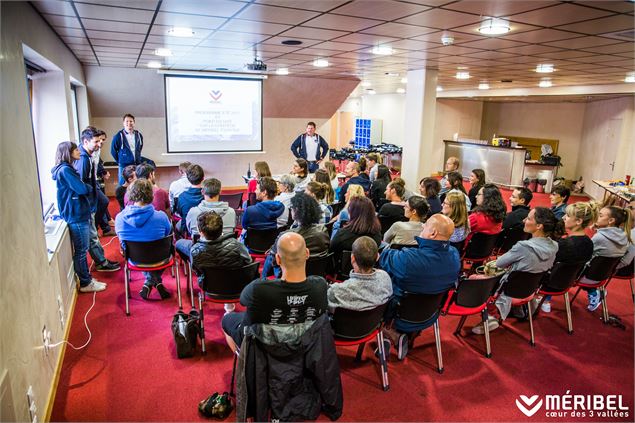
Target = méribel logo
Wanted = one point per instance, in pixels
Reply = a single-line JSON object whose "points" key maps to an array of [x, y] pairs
{"points": [[528, 405], [216, 94]]}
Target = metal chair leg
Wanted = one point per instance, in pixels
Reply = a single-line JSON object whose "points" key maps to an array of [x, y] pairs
{"points": [[178, 284], [126, 273], [457, 331], [568, 308], [231, 388], [202, 316], [630, 281], [437, 339], [575, 295], [360, 351], [189, 280], [532, 341], [488, 347], [382, 361], [605, 310]]}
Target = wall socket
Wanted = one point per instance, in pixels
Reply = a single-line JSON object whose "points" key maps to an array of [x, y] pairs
{"points": [[46, 339], [30, 398]]}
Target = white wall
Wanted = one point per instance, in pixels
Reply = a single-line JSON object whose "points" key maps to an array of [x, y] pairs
{"points": [[29, 284], [390, 108]]}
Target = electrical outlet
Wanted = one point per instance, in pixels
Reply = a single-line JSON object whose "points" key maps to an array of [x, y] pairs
{"points": [[46, 339], [30, 399]]}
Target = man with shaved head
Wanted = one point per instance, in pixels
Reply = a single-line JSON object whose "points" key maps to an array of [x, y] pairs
{"points": [[431, 268], [295, 298]]}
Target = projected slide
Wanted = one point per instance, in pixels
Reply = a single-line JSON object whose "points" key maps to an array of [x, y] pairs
{"points": [[213, 114]]}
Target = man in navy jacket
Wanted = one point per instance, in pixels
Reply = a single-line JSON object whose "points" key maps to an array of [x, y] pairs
{"points": [[310, 147], [431, 268], [126, 146], [352, 172]]}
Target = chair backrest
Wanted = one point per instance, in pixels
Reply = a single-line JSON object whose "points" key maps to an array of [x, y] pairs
{"points": [[419, 308], [460, 246], [402, 246], [601, 268], [345, 265], [235, 201], [475, 291], [329, 227], [260, 240], [387, 222], [149, 252], [564, 275], [627, 271], [508, 237], [319, 265], [227, 283], [337, 208], [355, 324], [522, 284], [480, 246]]}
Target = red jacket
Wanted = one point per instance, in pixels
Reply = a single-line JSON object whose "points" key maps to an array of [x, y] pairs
{"points": [[480, 222]]}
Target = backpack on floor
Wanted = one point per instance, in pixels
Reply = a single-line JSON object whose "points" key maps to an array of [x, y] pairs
{"points": [[186, 329]]}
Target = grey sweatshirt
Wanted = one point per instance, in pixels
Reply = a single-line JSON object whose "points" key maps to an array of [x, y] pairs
{"points": [[534, 255], [360, 291], [219, 207], [609, 242]]}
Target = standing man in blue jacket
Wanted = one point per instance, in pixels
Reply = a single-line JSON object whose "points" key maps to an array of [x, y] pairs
{"points": [[126, 146], [85, 166], [310, 147]]}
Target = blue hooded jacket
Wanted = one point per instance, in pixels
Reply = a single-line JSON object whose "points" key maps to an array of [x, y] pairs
{"points": [[72, 194], [84, 166], [142, 224], [263, 215], [430, 269]]}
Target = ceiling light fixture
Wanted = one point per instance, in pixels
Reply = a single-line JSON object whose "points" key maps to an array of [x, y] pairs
{"points": [[545, 83], [630, 77], [483, 86], [544, 68], [179, 31], [404, 80], [391, 74], [401, 91], [291, 42], [462, 75], [320, 63], [154, 65], [282, 71], [163, 52], [447, 40], [439, 89], [382, 50], [371, 92], [366, 84], [494, 26]]}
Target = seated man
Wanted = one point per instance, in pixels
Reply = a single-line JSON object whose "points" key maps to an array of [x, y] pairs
{"points": [[142, 223], [129, 176], [191, 197], [181, 184], [519, 200], [264, 215], [286, 186], [160, 199], [214, 250], [211, 193], [352, 172], [366, 287], [293, 299], [395, 209], [430, 269], [559, 197]]}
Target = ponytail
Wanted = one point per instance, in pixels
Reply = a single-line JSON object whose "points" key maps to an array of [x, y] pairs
{"points": [[318, 189], [587, 212], [546, 218], [622, 220], [559, 229]]}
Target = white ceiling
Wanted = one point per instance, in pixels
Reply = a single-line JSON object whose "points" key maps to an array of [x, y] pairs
{"points": [[581, 38]]}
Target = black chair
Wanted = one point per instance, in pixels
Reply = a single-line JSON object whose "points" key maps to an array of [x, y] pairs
{"points": [[319, 265], [387, 221], [626, 273], [479, 248], [470, 298], [223, 285], [561, 278], [508, 238], [460, 246], [150, 256], [341, 268], [336, 208], [419, 309], [329, 227], [258, 241], [522, 287], [352, 327], [598, 273], [235, 201]]}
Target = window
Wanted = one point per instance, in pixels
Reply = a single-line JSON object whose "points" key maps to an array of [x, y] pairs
{"points": [[75, 111]]}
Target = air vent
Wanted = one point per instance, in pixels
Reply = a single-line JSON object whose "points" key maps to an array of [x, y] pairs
{"points": [[622, 35], [506, 80], [291, 42]]}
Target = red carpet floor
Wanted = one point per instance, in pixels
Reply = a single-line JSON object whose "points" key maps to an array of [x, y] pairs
{"points": [[129, 371]]}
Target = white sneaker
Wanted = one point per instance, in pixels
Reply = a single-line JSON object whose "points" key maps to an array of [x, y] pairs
{"points": [[492, 324], [546, 307], [229, 307], [93, 287], [95, 281]]}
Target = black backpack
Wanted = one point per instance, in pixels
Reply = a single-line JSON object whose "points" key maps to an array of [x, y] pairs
{"points": [[186, 329]]}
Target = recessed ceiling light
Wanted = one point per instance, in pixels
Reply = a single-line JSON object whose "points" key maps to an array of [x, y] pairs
{"points": [[404, 80], [494, 26], [630, 77], [483, 86], [391, 74], [291, 42], [545, 83], [400, 91], [154, 65], [439, 89], [282, 71], [366, 84], [544, 68], [462, 75], [320, 63], [179, 31], [371, 92], [462, 67], [382, 50], [164, 52]]}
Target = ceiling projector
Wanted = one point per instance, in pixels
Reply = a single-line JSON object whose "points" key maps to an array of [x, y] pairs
{"points": [[256, 66]]}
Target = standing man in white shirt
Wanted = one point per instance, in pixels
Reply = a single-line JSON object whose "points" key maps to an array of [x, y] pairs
{"points": [[127, 145], [311, 147], [181, 184]]}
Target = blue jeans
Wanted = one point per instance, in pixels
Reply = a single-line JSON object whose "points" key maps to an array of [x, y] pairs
{"points": [[95, 249], [80, 235], [153, 277], [269, 265], [183, 247]]}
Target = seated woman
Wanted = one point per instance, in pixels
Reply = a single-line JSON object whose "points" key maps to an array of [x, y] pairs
{"points": [[322, 176], [535, 255], [261, 169], [300, 170], [454, 183], [477, 181], [306, 214], [416, 210], [332, 171], [430, 188], [576, 247], [455, 208], [353, 191], [363, 221], [378, 186], [489, 213], [317, 190]]}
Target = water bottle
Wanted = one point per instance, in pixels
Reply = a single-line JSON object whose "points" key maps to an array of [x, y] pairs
{"points": [[248, 170]]}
